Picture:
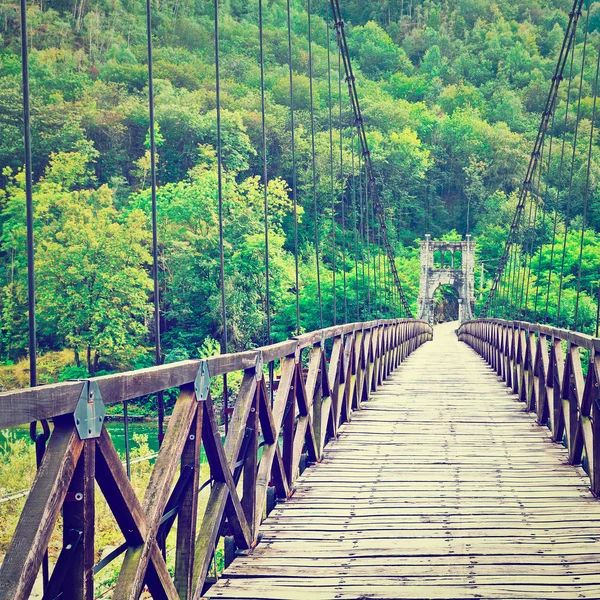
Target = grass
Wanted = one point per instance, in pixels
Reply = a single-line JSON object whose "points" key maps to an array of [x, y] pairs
{"points": [[50, 366]]}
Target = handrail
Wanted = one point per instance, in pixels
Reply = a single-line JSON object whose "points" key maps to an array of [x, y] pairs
{"points": [[22, 406], [543, 366], [307, 409]]}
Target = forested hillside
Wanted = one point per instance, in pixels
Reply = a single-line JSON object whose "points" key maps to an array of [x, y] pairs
{"points": [[451, 93]]}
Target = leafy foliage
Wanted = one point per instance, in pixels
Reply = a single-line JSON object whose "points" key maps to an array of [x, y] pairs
{"points": [[451, 94]]}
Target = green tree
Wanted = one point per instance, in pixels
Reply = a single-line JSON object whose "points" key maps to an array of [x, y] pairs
{"points": [[92, 288]]}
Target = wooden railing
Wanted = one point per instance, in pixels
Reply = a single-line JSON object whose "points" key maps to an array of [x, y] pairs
{"points": [[556, 373], [303, 410]]}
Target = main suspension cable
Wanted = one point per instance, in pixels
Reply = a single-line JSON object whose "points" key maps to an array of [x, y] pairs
{"points": [[568, 41], [370, 172]]}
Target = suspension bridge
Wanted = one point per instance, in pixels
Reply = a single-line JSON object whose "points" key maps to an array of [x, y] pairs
{"points": [[382, 459]]}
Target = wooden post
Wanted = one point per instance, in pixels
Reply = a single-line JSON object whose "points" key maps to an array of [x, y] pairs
{"points": [[187, 514], [78, 515]]}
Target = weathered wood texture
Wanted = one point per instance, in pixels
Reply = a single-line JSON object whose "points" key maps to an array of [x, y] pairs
{"points": [[22, 406], [545, 367], [303, 410], [441, 487]]}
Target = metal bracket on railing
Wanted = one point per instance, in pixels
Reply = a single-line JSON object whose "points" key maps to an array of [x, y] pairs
{"points": [[259, 366], [90, 411], [202, 382]]}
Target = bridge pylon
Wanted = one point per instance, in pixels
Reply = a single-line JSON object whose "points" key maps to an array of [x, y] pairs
{"points": [[447, 263]]}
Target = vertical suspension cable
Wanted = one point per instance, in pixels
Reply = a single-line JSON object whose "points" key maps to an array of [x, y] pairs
{"points": [[386, 280], [359, 123], [518, 265], [529, 257], [572, 170], [271, 366], [500, 303], [381, 287], [551, 266], [523, 269], [544, 201], [331, 176], [368, 242], [342, 183], [598, 308], [506, 309], [224, 338], [374, 267], [516, 269], [390, 281], [586, 193], [567, 43], [560, 171], [384, 290], [157, 350], [505, 306], [362, 237], [126, 436], [355, 212], [39, 439], [313, 161], [28, 198], [535, 236], [531, 215], [294, 173], [265, 174]]}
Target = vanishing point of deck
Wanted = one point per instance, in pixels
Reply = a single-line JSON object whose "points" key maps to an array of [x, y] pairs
{"points": [[441, 487]]}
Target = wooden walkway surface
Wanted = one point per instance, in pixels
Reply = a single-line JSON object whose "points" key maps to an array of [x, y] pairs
{"points": [[443, 488]]}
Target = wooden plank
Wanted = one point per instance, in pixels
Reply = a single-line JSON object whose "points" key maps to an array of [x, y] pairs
{"points": [[18, 407], [442, 486], [271, 462], [42, 508], [221, 472], [188, 512], [133, 570], [78, 515], [208, 535], [131, 518]]}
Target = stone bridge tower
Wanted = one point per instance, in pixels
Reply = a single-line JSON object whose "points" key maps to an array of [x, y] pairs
{"points": [[447, 263]]}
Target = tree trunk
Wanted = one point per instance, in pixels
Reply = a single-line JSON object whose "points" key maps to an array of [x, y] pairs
{"points": [[76, 357], [89, 361], [96, 361]]}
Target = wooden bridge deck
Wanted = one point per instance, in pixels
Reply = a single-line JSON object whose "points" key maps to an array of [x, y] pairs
{"points": [[442, 487]]}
